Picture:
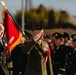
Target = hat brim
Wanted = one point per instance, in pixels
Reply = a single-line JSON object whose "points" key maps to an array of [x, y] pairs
{"points": [[74, 40]]}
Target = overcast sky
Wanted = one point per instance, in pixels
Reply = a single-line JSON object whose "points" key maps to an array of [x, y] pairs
{"points": [[69, 5]]}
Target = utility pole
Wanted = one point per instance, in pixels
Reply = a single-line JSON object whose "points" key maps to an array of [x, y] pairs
{"points": [[26, 4], [23, 15], [30, 4]]}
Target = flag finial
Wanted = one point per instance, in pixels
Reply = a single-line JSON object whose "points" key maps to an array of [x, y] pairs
{"points": [[3, 4]]}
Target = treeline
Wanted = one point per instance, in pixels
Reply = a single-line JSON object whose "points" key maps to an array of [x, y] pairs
{"points": [[48, 17]]}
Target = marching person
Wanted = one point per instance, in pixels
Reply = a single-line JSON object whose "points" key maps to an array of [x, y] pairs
{"points": [[19, 59], [67, 40], [71, 63], [36, 54], [59, 55], [3, 68]]}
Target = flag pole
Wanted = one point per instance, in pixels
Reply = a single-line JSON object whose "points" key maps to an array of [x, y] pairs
{"points": [[23, 15]]}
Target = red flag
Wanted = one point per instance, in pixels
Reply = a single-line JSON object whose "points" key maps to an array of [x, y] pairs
{"points": [[12, 33]]}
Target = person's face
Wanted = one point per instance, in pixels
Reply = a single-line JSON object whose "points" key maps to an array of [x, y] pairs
{"points": [[66, 39], [58, 42], [74, 42], [1, 31], [48, 39]]}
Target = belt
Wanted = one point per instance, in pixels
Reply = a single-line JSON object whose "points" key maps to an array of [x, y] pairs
{"points": [[55, 63], [62, 69]]}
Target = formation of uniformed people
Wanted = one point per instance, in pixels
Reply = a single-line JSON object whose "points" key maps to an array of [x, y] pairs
{"points": [[64, 57], [41, 54]]}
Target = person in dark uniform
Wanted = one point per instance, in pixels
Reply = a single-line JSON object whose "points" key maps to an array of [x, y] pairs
{"points": [[59, 55], [67, 40], [36, 53], [1, 63], [19, 59], [71, 63], [3, 68]]}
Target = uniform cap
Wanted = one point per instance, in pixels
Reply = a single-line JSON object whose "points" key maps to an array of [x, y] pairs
{"points": [[37, 27], [65, 34], [73, 37], [47, 36], [54, 34], [58, 36]]}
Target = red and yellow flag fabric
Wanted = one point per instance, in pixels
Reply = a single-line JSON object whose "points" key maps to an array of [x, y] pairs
{"points": [[12, 32]]}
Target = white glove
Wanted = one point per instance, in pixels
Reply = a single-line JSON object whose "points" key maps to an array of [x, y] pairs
{"points": [[38, 35]]}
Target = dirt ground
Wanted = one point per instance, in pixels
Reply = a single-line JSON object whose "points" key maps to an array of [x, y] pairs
{"points": [[50, 31]]}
